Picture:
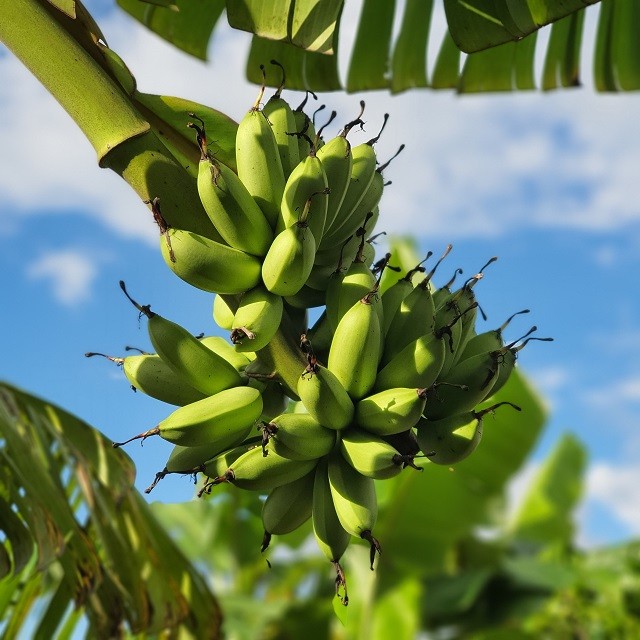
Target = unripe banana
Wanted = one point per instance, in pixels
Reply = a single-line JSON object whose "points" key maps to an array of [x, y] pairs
{"points": [[453, 439], [307, 180], [257, 319], [304, 125], [366, 206], [306, 298], [298, 436], [415, 316], [354, 499], [256, 472], [392, 298], [418, 365], [320, 276], [230, 207], [287, 507], [219, 345], [337, 162], [363, 168], [331, 537], [258, 159], [185, 459], [289, 260], [488, 340], [186, 355], [449, 319], [390, 411], [344, 290], [467, 384], [508, 357], [190, 460], [283, 123], [201, 422], [151, 375], [223, 313], [356, 345], [324, 397], [371, 456], [209, 265], [338, 256]]}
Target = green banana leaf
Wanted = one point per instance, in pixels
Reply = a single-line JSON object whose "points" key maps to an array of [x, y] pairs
{"points": [[389, 50], [79, 545]]}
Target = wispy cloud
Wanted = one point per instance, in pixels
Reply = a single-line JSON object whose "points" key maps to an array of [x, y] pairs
{"points": [[616, 488], [70, 274]]}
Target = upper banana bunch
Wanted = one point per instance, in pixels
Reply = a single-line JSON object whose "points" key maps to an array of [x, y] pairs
{"points": [[396, 370]]}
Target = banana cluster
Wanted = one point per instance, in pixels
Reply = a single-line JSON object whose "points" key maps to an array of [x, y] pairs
{"points": [[393, 379]]}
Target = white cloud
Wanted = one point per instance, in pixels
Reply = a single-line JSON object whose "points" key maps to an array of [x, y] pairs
{"points": [[70, 274], [616, 488], [623, 391]]}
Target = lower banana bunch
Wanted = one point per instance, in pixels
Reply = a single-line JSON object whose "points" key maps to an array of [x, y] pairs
{"points": [[393, 379]]}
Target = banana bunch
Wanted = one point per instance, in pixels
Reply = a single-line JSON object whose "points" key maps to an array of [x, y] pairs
{"points": [[395, 370]]}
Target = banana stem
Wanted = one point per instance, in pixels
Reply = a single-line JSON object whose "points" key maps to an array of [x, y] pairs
{"points": [[82, 87], [69, 67], [284, 357]]}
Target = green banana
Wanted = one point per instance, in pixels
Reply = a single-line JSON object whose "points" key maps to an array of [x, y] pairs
{"points": [[390, 411], [230, 207], [150, 374], [223, 313], [344, 290], [307, 180], [304, 125], [508, 357], [298, 436], [451, 440], [417, 365], [356, 346], [354, 499], [283, 123], [368, 204], [306, 298], [198, 423], [467, 384], [256, 320], [489, 340], [209, 265], [324, 397], [371, 456], [185, 459], [331, 537], [337, 162], [289, 260], [219, 345], [444, 292], [287, 507], [202, 458], [414, 317], [363, 169], [202, 368], [258, 159], [392, 298], [256, 472]]}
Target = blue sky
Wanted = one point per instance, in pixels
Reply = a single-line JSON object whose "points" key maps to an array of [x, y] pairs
{"points": [[549, 183]]}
